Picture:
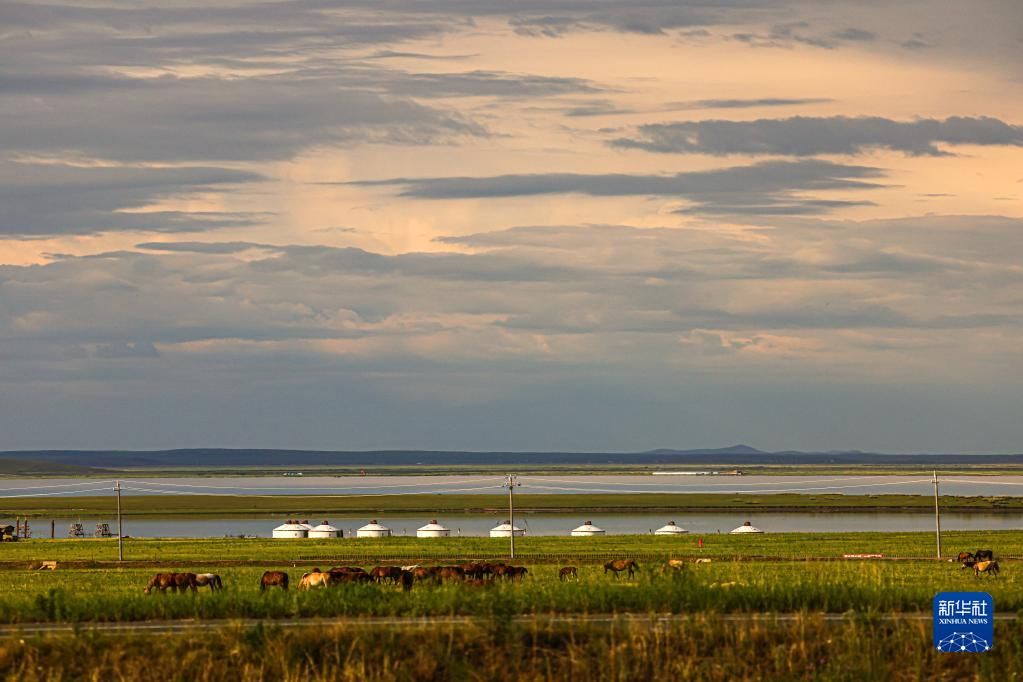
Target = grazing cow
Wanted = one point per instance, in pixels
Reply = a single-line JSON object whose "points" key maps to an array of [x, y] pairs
{"points": [[382, 574], [989, 567], [211, 580], [984, 555], [568, 572], [618, 565], [273, 579]]}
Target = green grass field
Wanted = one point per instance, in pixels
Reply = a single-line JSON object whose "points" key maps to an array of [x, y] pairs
{"points": [[538, 548], [165, 506], [720, 586]]}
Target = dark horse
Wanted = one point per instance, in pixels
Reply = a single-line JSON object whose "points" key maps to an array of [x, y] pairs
{"points": [[619, 565], [273, 579], [568, 572]]}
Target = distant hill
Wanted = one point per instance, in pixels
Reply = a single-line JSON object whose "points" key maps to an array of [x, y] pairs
{"points": [[738, 455], [10, 466], [733, 450]]}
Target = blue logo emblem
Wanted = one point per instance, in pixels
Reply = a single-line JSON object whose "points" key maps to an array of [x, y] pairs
{"points": [[964, 622]]}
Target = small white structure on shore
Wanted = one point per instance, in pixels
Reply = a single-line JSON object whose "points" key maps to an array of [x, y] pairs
{"points": [[505, 530], [325, 530], [746, 528], [670, 529], [587, 530], [432, 530], [373, 530], [290, 529]]}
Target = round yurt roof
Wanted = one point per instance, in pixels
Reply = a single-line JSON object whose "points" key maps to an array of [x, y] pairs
{"points": [[325, 528], [433, 525], [505, 526], [304, 524], [747, 528], [291, 525], [670, 528], [587, 527], [373, 525]]}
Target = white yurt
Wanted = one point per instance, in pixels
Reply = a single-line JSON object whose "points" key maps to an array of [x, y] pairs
{"points": [[746, 528], [291, 529], [587, 530], [505, 530], [373, 530], [670, 529], [432, 530], [325, 530]]}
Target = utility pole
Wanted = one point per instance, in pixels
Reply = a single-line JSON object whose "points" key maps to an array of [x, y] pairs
{"points": [[120, 535], [512, 482], [937, 518]]}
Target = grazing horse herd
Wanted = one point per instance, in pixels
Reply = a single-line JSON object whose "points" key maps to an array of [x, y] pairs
{"points": [[477, 573], [981, 561]]}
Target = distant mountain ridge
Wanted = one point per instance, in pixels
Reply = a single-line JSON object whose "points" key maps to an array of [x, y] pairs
{"points": [[737, 455]]}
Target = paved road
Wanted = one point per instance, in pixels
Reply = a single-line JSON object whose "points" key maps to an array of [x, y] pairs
{"points": [[190, 626]]}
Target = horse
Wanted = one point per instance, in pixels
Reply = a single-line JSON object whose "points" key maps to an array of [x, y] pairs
{"points": [[568, 572], [619, 565], [314, 578], [186, 581], [425, 574], [984, 555], [382, 574], [211, 580], [337, 578], [406, 580], [966, 556], [480, 570], [515, 572], [273, 579], [452, 573], [989, 567], [675, 564], [160, 581]]}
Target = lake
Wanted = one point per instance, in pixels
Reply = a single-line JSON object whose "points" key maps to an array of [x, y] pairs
{"points": [[450, 484]]}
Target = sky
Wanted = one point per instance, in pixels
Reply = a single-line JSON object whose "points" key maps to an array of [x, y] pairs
{"points": [[491, 225]]}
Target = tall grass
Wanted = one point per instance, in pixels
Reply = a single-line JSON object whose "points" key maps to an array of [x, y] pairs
{"points": [[116, 595], [700, 648]]}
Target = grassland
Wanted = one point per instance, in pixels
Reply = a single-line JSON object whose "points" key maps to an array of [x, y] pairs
{"points": [[540, 548], [699, 648], [109, 595], [727, 615], [165, 506]]}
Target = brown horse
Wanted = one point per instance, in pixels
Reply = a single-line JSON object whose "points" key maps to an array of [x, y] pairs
{"points": [[452, 573], [425, 574], [160, 581], [177, 582], [965, 556], [568, 572], [347, 578], [211, 580], [478, 570], [382, 574], [273, 579], [619, 565]]}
